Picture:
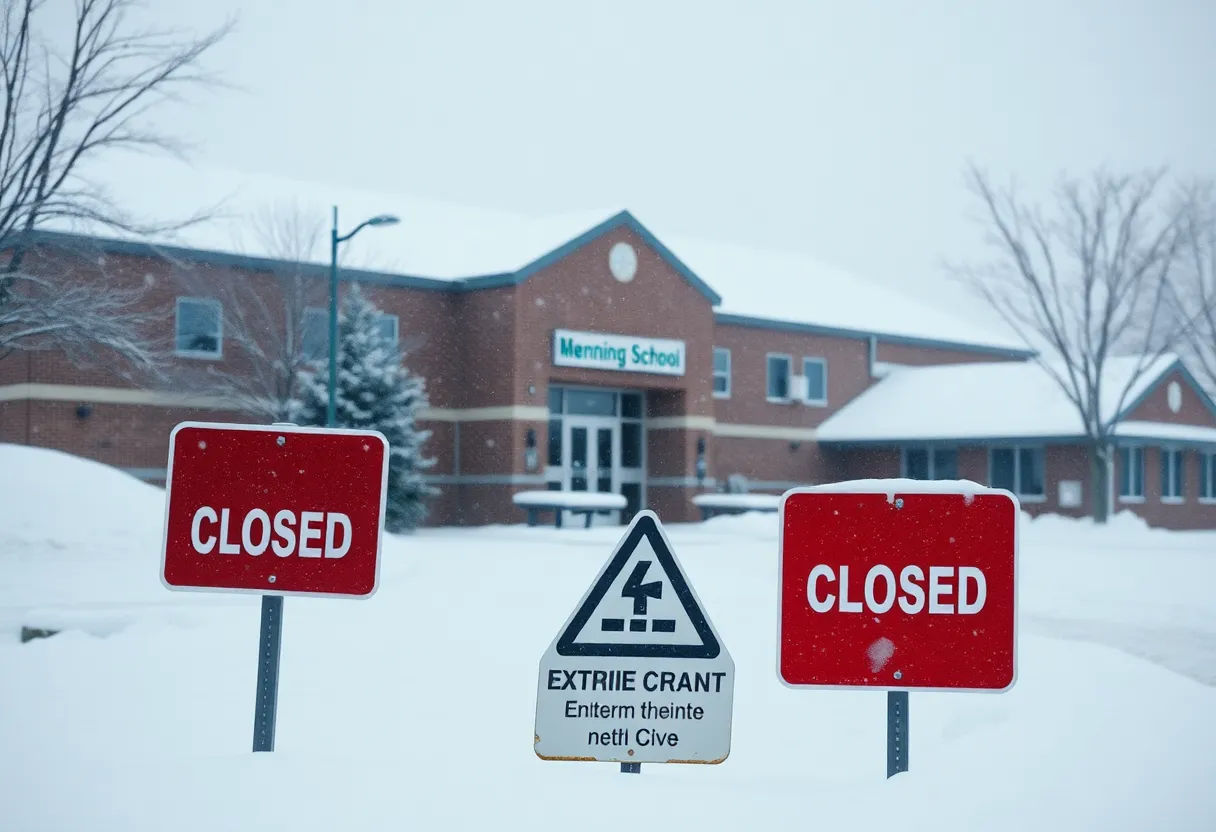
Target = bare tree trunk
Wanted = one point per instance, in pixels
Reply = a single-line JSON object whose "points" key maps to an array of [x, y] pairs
{"points": [[1100, 474]]}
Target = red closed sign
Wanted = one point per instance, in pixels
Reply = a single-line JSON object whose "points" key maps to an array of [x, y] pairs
{"points": [[274, 510], [898, 590]]}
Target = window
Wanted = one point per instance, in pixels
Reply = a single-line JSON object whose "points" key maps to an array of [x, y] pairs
{"points": [[1207, 477], [945, 464], [778, 378], [930, 463], [631, 405], [1131, 473], [1171, 474], [591, 402], [816, 372], [555, 426], [721, 373], [388, 328], [314, 342], [199, 328], [1020, 470]]}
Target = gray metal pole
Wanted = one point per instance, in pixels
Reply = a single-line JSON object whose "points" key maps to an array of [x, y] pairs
{"points": [[331, 410], [270, 645], [897, 732]]}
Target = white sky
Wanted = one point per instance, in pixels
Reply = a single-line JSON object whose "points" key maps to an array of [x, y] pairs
{"points": [[839, 129]]}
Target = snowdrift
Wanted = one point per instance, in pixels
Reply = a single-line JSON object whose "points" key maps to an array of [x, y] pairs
{"points": [[414, 709]]}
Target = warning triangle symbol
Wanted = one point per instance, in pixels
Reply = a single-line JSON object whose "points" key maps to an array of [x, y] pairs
{"points": [[641, 604]]}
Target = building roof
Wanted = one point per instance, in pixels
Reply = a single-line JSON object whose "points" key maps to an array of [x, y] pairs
{"points": [[985, 402], [438, 245]]}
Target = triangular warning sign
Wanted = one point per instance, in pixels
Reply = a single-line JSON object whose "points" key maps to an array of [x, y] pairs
{"points": [[641, 604]]}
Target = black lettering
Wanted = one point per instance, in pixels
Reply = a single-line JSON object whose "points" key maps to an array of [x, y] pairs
{"points": [[584, 674], [667, 680], [571, 705], [685, 682], [599, 680], [718, 677], [646, 683], [554, 677], [569, 685], [701, 679], [627, 680]]}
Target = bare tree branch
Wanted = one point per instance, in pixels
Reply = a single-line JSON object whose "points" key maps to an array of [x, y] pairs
{"points": [[1090, 282], [72, 99], [264, 317], [1196, 294]]}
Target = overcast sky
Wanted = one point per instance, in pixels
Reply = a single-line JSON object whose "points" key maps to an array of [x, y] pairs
{"points": [[839, 129]]}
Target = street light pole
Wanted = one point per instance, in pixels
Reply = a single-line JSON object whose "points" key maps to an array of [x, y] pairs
{"points": [[331, 409]]}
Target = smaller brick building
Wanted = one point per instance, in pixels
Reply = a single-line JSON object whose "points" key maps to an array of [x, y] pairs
{"points": [[610, 362], [1010, 425]]}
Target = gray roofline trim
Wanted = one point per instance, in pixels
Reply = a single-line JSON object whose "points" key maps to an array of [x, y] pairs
{"points": [[949, 441], [471, 283], [110, 245], [995, 441], [753, 322]]}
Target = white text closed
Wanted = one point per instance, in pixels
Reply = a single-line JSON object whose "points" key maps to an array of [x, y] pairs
{"points": [[938, 590], [306, 534]]}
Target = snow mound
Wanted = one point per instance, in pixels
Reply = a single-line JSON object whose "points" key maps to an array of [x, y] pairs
{"points": [[79, 546], [54, 495], [1118, 525]]}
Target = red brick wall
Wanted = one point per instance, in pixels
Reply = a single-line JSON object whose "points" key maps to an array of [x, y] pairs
{"points": [[771, 460], [428, 335], [847, 365], [126, 436], [485, 323], [580, 293], [15, 422]]}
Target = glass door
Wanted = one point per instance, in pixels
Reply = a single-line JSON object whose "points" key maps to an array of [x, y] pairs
{"points": [[593, 466]]}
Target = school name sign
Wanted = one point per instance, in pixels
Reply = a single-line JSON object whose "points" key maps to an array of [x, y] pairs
{"points": [[623, 353]]}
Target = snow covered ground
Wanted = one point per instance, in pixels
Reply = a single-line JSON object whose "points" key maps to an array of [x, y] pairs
{"points": [[414, 710]]}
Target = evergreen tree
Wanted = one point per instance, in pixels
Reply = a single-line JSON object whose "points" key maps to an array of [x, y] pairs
{"points": [[375, 392]]}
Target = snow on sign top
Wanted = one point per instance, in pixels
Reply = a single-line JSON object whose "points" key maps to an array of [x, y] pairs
{"points": [[637, 673]]}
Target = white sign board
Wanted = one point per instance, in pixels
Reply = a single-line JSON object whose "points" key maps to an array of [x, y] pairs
{"points": [[623, 353], [637, 674]]}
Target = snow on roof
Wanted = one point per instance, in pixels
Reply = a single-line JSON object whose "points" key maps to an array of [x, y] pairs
{"points": [[1013, 399], [449, 242], [1166, 432]]}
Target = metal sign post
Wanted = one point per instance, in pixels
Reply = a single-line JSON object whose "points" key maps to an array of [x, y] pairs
{"points": [[897, 732], [273, 510], [898, 585], [269, 648]]}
